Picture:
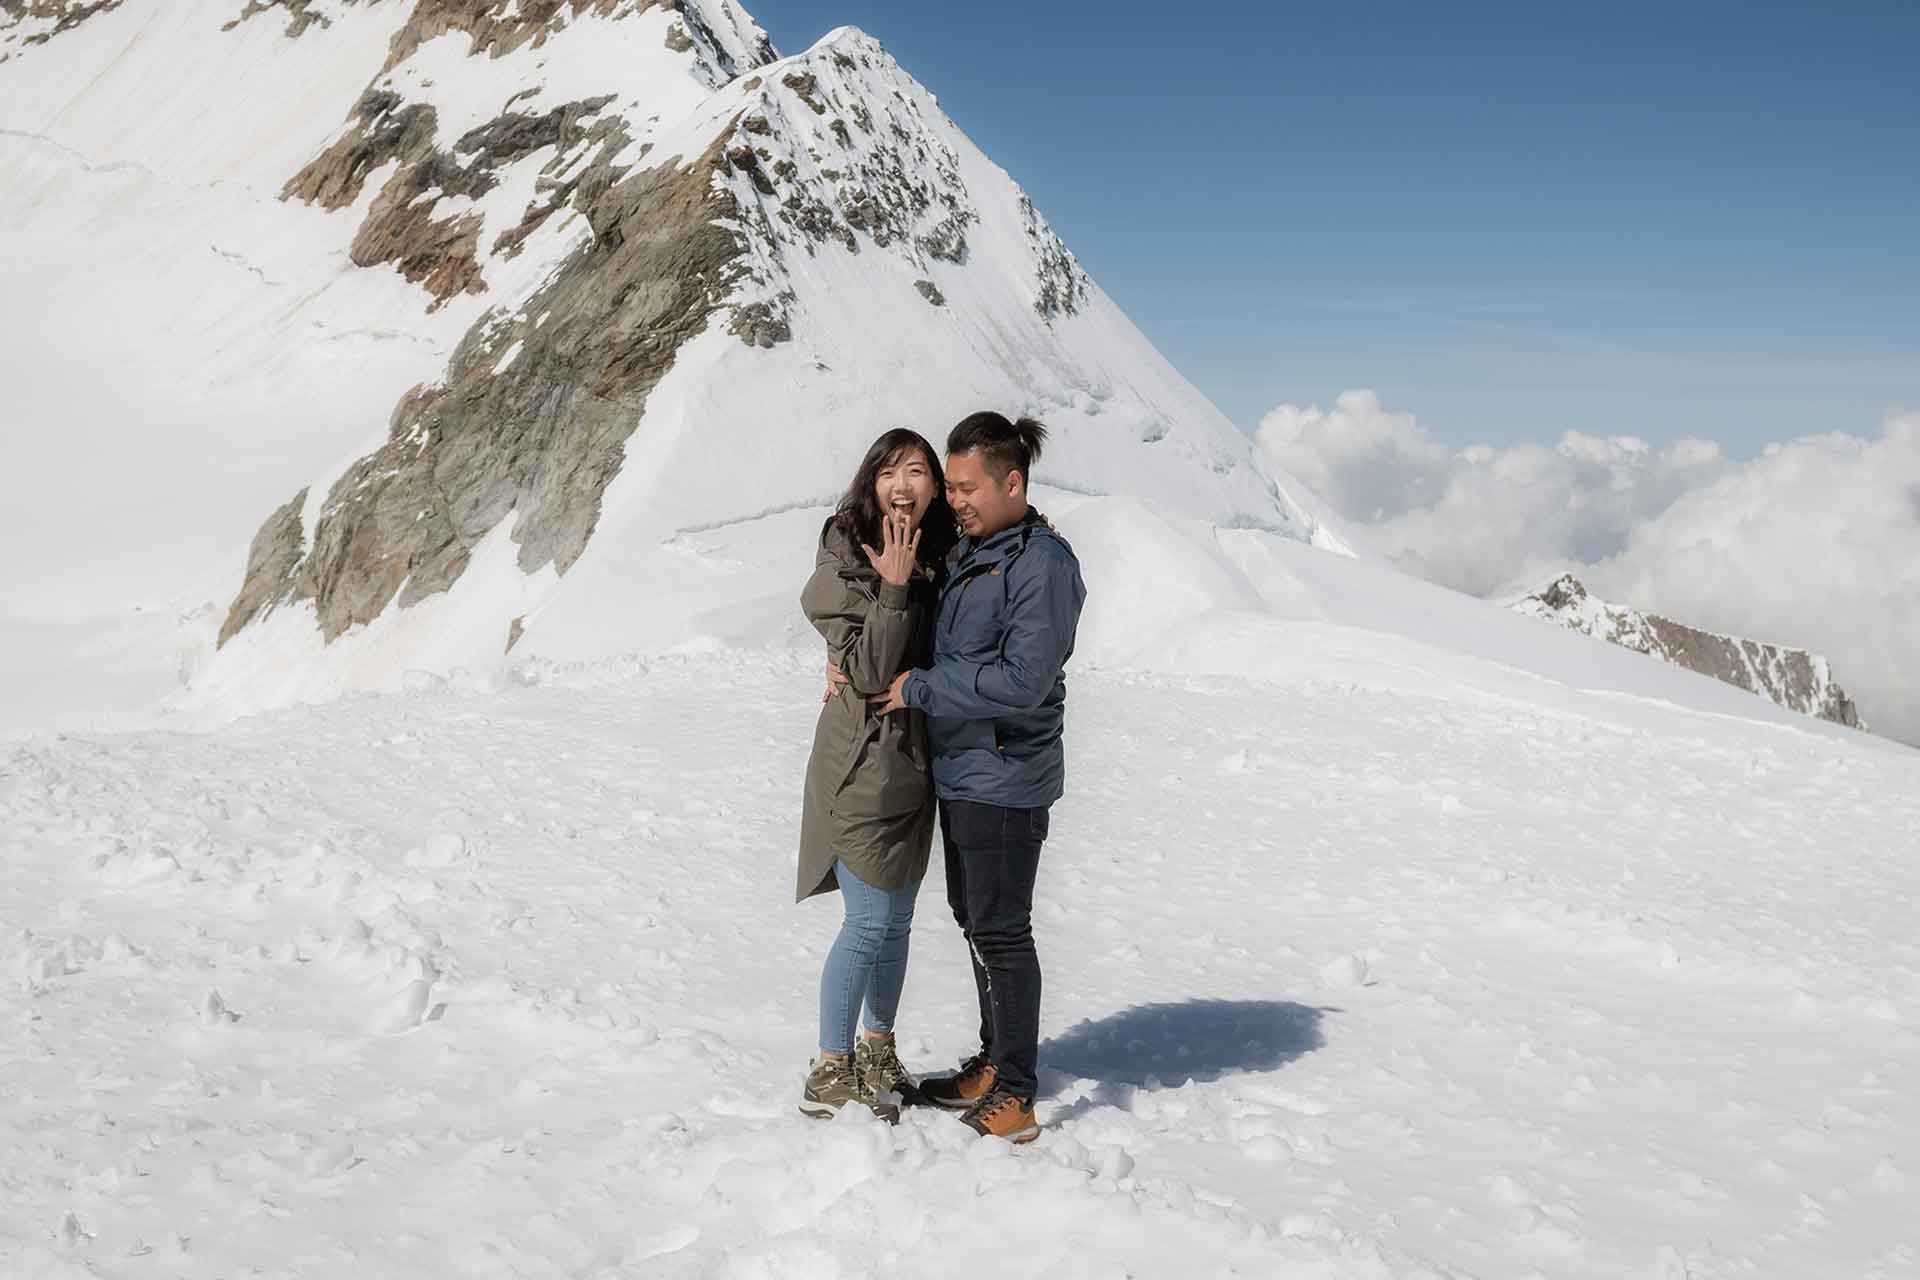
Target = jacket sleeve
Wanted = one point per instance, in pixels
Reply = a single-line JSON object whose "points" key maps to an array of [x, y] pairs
{"points": [[1044, 595], [866, 637]]}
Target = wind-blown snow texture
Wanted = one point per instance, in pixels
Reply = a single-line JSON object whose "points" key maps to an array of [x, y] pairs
{"points": [[1387, 959], [1341, 982]]}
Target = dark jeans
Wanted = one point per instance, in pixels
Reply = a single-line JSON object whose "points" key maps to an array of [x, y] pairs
{"points": [[992, 857]]}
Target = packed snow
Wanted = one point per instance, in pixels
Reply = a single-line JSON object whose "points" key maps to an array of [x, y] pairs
{"points": [[1342, 981]]}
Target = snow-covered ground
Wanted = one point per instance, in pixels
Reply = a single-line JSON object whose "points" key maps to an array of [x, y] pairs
{"points": [[1343, 980], [1387, 933]]}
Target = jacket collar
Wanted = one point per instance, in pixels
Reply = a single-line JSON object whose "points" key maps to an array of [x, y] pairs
{"points": [[1004, 545]]}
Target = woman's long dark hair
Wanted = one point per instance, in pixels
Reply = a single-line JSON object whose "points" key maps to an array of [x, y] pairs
{"points": [[858, 515]]}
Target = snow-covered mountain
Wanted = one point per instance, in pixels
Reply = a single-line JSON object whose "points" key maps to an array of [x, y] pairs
{"points": [[1791, 678], [514, 333], [659, 280]]}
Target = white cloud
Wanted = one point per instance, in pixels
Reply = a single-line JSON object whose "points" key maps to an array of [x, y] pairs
{"points": [[1368, 462], [1815, 543]]}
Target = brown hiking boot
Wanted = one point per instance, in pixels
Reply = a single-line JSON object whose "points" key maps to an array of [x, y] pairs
{"points": [[880, 1069], [1000, 1114], [961, 1091], [832, 1085]]}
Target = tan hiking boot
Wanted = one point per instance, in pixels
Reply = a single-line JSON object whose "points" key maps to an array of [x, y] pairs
{"points": [[833, 1084], [958, 1092], [1000, 1114], [878, 1064]]}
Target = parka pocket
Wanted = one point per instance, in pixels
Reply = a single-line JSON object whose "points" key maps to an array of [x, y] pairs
{"points": [[886, 779], [903, 789]]}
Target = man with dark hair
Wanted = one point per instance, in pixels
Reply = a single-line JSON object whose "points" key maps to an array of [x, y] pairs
{"points": [[995, 701]]}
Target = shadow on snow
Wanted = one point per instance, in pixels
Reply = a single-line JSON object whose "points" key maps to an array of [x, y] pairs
{"points": [[1154, 1046]]}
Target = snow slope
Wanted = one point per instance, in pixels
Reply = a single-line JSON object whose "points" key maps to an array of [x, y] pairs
{"points": [[1342, 981]]}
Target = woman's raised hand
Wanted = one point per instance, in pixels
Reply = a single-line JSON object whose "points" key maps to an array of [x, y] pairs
{"points": [[899, 545]]}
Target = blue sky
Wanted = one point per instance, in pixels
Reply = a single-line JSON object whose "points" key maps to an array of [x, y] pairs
{"points": [[1654, 219]]}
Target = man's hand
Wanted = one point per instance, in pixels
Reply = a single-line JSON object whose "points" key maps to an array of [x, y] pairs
{"points": [[891, 700], [836, 681]]}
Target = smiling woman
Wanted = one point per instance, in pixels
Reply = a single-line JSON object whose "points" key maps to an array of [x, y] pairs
{"points": [[900, 475], [867, 822]]}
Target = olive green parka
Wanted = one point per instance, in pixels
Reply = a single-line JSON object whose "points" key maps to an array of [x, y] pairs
{"points": [[869, 794]]}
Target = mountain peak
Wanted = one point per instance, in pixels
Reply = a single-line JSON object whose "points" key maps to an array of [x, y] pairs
{"points": [[619, 240], [1791, 678]]}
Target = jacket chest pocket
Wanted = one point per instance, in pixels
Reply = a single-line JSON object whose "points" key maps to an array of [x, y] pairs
{"points": [[971, 623]]}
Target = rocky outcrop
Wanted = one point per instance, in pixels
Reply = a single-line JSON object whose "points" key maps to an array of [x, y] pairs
{"points": [[1791, 678], [497, 27], [38, 21], [1063, 286], [500, 27], [762, 324], [300, 15], [531, 421], [272, 562], [442, 254]]}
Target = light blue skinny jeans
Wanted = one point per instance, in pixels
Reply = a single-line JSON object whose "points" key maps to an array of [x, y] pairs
{"points": [[868, 962]]}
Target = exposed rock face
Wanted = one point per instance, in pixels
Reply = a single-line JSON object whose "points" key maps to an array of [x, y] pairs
{"points": [[38, 21], [762, 324], [1063, 285], [532, 420], [272, 562], [498, 27], [443, 253], [1791, 678], [300, 15]]}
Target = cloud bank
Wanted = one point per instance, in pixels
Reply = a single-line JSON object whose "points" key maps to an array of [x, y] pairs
{"points": [[1814, 543]]}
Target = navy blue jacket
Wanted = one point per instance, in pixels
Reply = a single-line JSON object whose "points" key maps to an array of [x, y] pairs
{"points": [[995, 698]]}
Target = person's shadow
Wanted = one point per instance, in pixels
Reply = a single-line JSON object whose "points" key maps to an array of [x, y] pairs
{"points": [[1153, 1046]]}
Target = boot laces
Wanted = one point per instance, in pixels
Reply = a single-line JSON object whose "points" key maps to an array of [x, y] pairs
{"points": [[995, 1100], [887, 1067]]}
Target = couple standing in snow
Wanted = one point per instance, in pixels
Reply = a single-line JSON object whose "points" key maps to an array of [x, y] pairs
{"points": [[949, 607]]}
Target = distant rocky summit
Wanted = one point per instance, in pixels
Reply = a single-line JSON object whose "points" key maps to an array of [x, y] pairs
{"points": [[1791, 678]]}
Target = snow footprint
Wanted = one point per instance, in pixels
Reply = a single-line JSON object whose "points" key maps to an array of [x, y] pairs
{"points": [[215, 1013], [404, 1010]]}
